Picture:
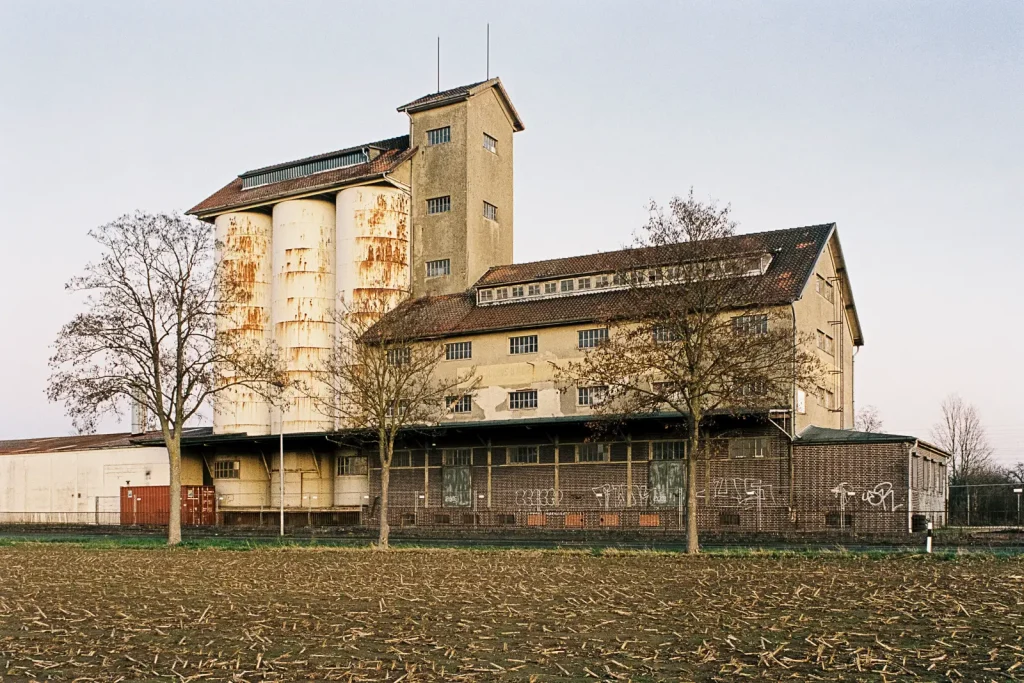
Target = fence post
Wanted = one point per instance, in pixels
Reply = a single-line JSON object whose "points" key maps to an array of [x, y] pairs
{"points": [[680, 498], [928, 539]]}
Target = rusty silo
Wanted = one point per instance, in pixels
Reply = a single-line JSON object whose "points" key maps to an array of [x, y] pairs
{"points": [[303, 301], [244, 240]]}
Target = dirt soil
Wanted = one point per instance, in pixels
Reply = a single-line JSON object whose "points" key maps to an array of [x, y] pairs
{"points": [[79, 613]]}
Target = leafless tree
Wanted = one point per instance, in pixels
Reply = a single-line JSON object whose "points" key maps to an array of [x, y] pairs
{"points": [[961, 433], [868, 419], [148, 334], [690, 336], [383, 379]]}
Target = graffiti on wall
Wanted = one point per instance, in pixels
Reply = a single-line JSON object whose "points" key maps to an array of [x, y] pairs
{"points": [[535, 498], [880, 495], [742, 492], [616, 494]]}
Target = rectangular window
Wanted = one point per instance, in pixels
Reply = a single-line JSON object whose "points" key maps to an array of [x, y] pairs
{"points": [[602, 281], [226, 469], [750, 325], [550, 287], [668, 450], [825, 343], [593, 452], [399, 357], [588, 396], [756, 447], [458, 350], [457, 457], [522, 400], [752, 387], [668, 390], [397, 409], [829, 399], [567, 285], [525, 454], [589, 339], [401, 459], [825, 288], [351, 465], [439, 268], [439, 136], [662, 334], [524, 344], [439, 204], [490, 212], [490, 144], [459, 404], [501, 293], [533, 290], [583, 283], [518, 291], [485, 295]]}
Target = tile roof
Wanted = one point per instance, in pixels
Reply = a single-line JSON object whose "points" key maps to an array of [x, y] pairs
{"points": [[463, 92], [87, 442], [795, 252], [813, 435], [232, 196]]}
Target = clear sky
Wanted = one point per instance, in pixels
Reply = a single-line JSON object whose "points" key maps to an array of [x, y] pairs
{"points": [[901, 121]]}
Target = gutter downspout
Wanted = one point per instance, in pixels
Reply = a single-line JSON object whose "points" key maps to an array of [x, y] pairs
{"points": [[910, 492], [792, 422]]}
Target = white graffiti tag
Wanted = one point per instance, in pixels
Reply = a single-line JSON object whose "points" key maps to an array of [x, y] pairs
{"points": [[535, 498], [614, 495], [742, 492], [879, 495], [842, 489]]}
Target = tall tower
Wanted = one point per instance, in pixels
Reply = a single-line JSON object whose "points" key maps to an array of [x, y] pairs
{"points": [[461, 185]]}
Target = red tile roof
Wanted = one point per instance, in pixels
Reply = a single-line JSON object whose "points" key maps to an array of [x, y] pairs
{"points": [[232, 196]]}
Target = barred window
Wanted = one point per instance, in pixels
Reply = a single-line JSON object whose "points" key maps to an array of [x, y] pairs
{"points": [[750, 324], [524, 344], [533, 290], [490, 144], [518, 291], [439, 268], [748, 447], [458, 350], [668, 450], [550, 287], [439, 204], [457, 457], [439, 136], [226, 469], [351, 465], [459, 404], [583, 283], [593, 452], [567, 285], [490, 211], [588, 396], [589, 339], [662, 334], [522, 400], [485, 295], [525, 454], [399, 357]]}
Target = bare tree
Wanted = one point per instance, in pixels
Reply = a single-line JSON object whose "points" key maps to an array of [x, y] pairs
{"points": [[868, 419], [148, 334], [691, 337], [383, 379], [961, 433]]}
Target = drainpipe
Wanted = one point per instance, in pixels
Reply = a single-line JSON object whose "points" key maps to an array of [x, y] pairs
{"points": [[910, 493]]}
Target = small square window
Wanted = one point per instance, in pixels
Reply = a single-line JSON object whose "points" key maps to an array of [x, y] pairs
{"points": [[517, 291], [524, 344], [583, 283], [501, 293], [567, 285], [439, 268], [459, 404], [490, 212], [226, 469], [490, 144], [485, 295], [439, 136], [550, 287], [533, 290], [601, 281], [439, 204], [522, 400], [397, 409]]}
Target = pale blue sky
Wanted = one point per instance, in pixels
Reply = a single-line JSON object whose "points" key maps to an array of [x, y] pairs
{"points": [[900, 121]]}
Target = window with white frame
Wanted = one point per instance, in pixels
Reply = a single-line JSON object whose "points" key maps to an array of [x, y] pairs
{"points": [[750, 325], [351, 465], [458, 350], [485, 295], [522, 400], [518, 291], [668, 450], [501, 293], [522, 455], [226, 469], [439, 136], [601, 281], [752, 386], [439, 268], [550, 287], [524, 344], [590, 396], [439, 204], [490, 144], [457, 457], [397, 408], [459, 404], [748, 447], [583, 283], [533, 290], [400, 356], [592, 338], [593, 452], [662, 334], [490, 211]]}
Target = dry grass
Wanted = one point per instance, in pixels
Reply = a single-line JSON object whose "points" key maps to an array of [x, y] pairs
{"points": [[78, 613]]}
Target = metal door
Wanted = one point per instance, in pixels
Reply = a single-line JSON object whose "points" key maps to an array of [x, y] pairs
{"points": [[457, 486], [667, 482]]}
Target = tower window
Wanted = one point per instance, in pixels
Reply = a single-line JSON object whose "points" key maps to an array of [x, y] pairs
{"points": [[490, 144], [439, 268], [439, 204], [490, 212], [439, 136]]}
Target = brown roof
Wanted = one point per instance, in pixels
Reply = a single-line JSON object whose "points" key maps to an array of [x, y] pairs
{"points": [[464, 92], [232, 196], [85, 442], [795, 252]]}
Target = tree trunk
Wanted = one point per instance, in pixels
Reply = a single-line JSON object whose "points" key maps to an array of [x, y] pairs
{"points": [[174, 517], [692, 543], [385, 482]]}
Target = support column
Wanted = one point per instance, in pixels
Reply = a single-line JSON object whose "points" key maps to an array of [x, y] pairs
{"points": [[488, 474], [629, 471], [556, 471], [426, 478]]}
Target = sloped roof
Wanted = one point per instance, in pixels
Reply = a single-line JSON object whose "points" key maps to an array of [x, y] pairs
{"points": [[81, 442], [794, 254], [464, 92], [813, 435], [394, 151]]}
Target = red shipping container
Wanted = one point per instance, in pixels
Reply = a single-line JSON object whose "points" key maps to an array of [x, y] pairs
{"points": [[151, 505]]}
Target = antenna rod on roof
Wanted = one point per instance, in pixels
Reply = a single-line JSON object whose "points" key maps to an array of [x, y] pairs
{"points": [[488, 51], [439, 64]]}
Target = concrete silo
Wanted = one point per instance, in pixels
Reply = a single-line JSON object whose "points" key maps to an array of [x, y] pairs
{"points": [[373, 248], [303, 302], [244, 240]]}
